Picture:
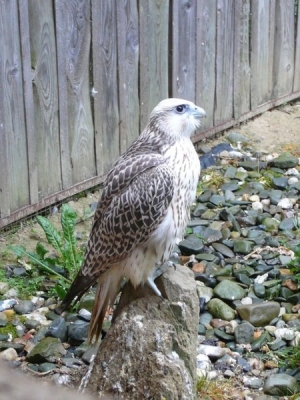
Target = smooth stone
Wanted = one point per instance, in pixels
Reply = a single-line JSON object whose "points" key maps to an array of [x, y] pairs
{"points": [[46, 367], [264, 338], [199, 210], [244, 333], [205, 257], [78, 331], [259, 290], [191, 245], [229, 196], [205, 318], [209, 215], [4, 287], [205, 292], [58, 329], [211, 235], [217, 199], [284, 161], [280, 385], [227, 290], [212, 352], [285, 203], [24, 307], [281, 182], [209, 281], [251, 165], [221, 310], [243, 246], [31, 324], [287, 223], [230, 186], [252, 382], [243, 278], [205, 196], [230, 172], [236, 137], [19, 271], [277, 344], [284, 333], [294, 299], [221, 248], [223, 335], [9, 354], [271, 224], [226, 215], [7, 304], [48, 349], [259, 314], [241, 176]]}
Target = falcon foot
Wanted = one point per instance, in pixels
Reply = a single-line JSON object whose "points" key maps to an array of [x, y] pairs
{"points": [[159, 270]]}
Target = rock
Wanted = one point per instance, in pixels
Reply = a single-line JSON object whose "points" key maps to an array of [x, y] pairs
{"points": [[259, 314], [78, 331], [24, 307], [280, 385], [271, 224], [225, 250], [4, 287], [243, 246], [212, 352], [236, 137], [7, 304], [48, 349], [9, 354], [191, 245], [157, 337], [228, 290], [285, 203], [244, 333], [58, 329], [221, 310], [284, 161]]}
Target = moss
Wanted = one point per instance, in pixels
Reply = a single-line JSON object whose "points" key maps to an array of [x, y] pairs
{"points": [[9, 329]]}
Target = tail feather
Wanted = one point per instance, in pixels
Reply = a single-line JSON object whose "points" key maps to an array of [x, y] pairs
{"points": [[79, 287], [107, 290]]}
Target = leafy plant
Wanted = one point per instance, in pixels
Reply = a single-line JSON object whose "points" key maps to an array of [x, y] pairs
{"points": [[67, 259], [295, 264]]}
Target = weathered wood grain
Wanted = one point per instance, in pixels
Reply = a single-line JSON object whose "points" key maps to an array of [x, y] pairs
{"points": [[66, 167], [184, 49], [43, 62], [76, 33], [224, 60], [260, 57], [241, 62], [154, 55], [297, 54], [106, 109], [283, 68], [206, 59], [128, 71], [14, 160], [28, 101]]}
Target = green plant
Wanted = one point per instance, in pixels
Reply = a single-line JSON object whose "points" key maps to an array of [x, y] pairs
{"points": [[294, 265], [67, 258]]}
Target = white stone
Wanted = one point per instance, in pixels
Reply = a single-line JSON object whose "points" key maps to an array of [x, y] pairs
{"points": [[11, 293], [85, 313], [257, 206], [266, 202], [293, 180], [9, 354], [205, 292], [212, 352], [203, 362], [285, 203], [261, 278], [269, 157], [284, 333], [292, 172], [254, 198], [296, 340], [246, 300], [271, 329], [230, 328]]}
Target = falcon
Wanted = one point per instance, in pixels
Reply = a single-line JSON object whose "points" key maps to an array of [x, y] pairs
{"points": [[143, 210]]}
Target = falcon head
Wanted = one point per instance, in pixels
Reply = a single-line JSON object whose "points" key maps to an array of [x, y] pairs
{"points": [[177, 117]]}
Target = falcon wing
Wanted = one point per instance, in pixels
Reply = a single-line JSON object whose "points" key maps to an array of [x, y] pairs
{"points": [[133, 204]]}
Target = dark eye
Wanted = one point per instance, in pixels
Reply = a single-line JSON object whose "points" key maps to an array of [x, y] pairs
{"points": [[181, 109]]}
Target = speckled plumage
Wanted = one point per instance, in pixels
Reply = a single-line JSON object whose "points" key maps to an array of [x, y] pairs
{"points": [[144, 207]]}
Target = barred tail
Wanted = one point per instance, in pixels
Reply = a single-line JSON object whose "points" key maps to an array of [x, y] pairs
{"points": [[107, 290]]}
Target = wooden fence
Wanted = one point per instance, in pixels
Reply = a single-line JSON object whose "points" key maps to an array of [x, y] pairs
{"points": [[78, 79]]}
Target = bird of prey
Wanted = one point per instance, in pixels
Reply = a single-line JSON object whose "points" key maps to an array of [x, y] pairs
{"points": [[143, 209]]}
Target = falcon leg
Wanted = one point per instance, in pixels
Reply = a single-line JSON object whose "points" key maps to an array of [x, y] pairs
{"points": [[159, 270]]}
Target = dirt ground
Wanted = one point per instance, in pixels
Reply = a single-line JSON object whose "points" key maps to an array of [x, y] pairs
{"points": [[274, 131]]}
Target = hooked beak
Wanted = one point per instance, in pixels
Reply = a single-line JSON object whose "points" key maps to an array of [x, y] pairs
{"points": [[198, 112]]}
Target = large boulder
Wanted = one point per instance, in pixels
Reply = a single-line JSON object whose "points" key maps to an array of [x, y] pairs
{"points": [[150, 350]]}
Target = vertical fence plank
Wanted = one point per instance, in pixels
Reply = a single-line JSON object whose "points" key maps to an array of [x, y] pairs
{"points": [[154, 55], [241, 63], [106, 109], [66, 167], [75, 15], [206, 59], [14, 175], [283, 69], [28, 100], [128, 57], [43, 59], [184, 49], [260, 57], [297, 55], [224, 72]]}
